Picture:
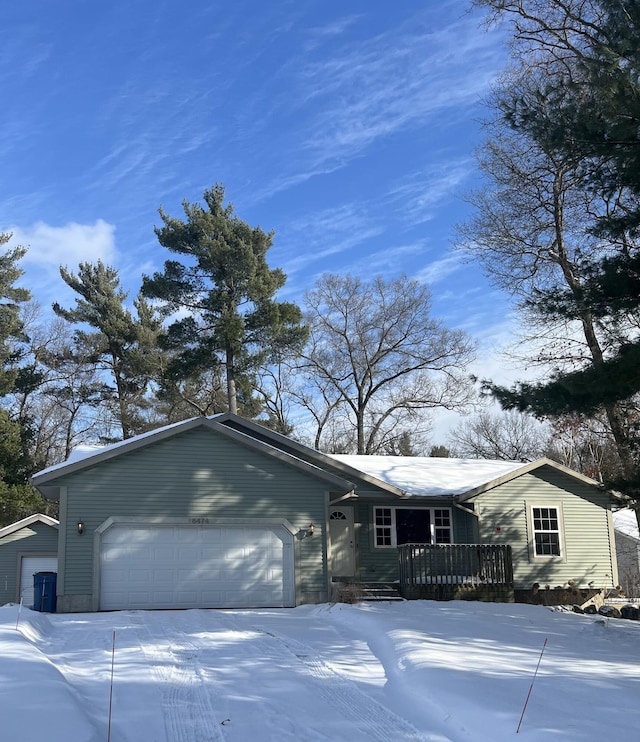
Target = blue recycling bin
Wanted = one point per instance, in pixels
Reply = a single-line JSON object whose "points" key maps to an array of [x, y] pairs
{"points": [[44, 591]]}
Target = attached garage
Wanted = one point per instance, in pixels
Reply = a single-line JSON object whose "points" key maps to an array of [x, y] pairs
{"points": [[197, 514], [196, 566]]}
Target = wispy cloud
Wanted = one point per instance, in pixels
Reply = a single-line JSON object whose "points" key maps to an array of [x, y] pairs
{"points": [[319, 34], [394, 81], [419, 195], [326, 233], [352, 93], [389, 261], [440, 269]]}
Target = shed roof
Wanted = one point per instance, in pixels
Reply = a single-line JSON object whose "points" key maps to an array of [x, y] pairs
{"points": [[29, 520], [625, 522]]}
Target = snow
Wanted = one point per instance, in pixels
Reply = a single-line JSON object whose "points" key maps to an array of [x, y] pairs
{"points": [[429, 475], [626, 522], [451, 671], [416, 475]]}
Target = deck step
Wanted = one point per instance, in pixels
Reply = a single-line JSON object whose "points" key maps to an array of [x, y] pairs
{"points": [[380, 592]]}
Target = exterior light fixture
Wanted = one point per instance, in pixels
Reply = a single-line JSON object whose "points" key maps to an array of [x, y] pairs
{"points": [[305, 532], [80, 528]]}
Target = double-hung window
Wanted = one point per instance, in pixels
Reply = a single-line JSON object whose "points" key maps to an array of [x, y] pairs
{"points": [[400, 525], [547, 535]]}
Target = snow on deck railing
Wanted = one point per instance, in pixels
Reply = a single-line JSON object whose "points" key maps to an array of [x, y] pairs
{"points": [[468, 565]]}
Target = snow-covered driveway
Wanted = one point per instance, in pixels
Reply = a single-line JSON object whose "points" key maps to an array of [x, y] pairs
{"points": [[413, 671]]}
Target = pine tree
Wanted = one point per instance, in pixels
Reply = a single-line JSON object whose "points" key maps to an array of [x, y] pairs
{"points": [[17, 497], [11, 329], [226, 290], [583, 60], [124, 345]]}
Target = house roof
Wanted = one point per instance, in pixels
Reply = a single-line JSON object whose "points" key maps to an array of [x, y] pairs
{"points": [[29, 520], [430, 476], [86, 456], [77, 459], [625, 522], [463, 479], [413, 475], [399, 475]]}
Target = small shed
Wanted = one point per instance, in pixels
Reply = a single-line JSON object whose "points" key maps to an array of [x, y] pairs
{"points": [[28, 546], [628, 551]]}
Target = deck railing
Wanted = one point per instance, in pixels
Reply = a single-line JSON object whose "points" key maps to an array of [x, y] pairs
{"points": [[464, 566]]}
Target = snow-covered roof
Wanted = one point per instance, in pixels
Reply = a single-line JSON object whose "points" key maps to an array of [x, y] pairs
{"points": [[428, 475], [626, 522], [410, 475]]}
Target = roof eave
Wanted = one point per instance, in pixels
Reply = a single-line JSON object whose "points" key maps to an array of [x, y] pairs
{"points": [[37, 480], [311, 453], [42, 481], [526, 469]]}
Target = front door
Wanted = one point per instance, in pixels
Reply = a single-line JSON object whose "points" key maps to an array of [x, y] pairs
{"points": [[343, 555]]}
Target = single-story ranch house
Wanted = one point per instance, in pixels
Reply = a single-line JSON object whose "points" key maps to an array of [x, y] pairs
{"points": [[222, 512]]}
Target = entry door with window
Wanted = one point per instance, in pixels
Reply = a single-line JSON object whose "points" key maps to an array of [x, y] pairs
{"points": [[343, 554]]}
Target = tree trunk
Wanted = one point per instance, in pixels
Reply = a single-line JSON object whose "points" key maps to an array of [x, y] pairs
{"points": [[612, 411], [232, 399]]}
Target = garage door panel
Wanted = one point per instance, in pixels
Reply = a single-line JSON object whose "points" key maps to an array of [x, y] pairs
{"points": [[196, 566]]}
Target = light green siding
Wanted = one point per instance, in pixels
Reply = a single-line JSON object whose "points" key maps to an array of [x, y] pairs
{"points": [[195, 474], [36, 539], [588, 555]]}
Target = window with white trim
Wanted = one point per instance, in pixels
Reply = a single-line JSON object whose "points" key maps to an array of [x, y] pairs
{"points": [[399, 525], [546, 531]]}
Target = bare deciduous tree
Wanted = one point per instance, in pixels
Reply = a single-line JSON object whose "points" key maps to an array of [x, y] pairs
{"points": [[376, 362], [584, 444], [509, 436]]}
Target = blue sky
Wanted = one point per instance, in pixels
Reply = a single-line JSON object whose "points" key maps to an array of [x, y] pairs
{"points": [[346, 127]]}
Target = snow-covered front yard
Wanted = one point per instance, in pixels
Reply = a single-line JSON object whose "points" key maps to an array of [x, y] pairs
{"points": [[388, 672]]}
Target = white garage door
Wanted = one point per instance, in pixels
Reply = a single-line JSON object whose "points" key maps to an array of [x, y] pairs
{"points": [[196, 567], [28, 567]]}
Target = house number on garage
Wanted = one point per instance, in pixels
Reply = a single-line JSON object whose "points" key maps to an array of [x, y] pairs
{"points": [[201, 521]]}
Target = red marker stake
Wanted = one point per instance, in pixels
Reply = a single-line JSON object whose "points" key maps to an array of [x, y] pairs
{"points": [[113, 654], [531, 686]]}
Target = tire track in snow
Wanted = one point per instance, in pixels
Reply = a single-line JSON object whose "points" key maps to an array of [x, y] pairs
{"points": [[376, 721], [382, 648], [187, 702]]}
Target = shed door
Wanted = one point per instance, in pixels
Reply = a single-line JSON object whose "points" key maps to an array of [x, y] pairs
{"points": [[28, 567], [196, 567]]}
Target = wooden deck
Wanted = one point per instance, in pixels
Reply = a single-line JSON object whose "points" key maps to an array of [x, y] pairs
{"points": [[456, 571]]}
